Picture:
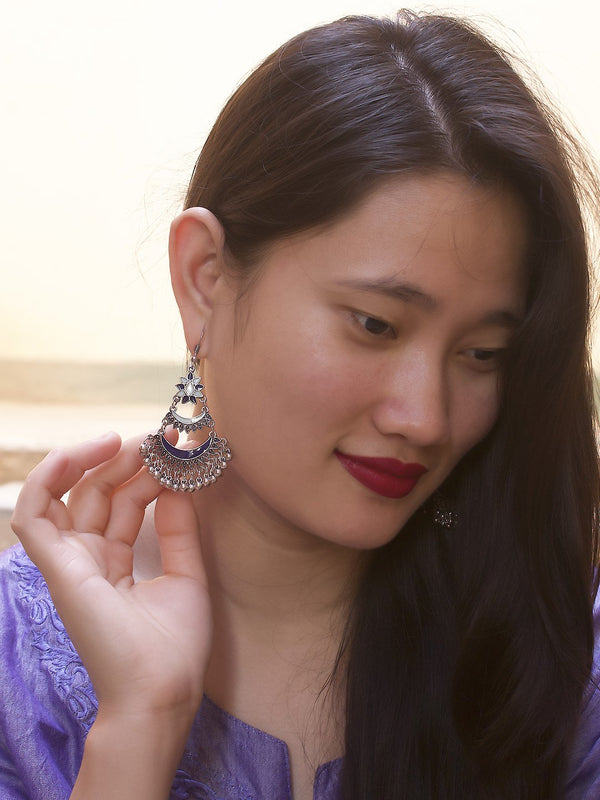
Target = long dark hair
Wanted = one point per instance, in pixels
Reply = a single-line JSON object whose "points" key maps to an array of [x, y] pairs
{"points": [[467, 650]]}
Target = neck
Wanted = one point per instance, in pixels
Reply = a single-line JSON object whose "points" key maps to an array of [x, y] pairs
{"points": [[281, 598], [267, 570]]}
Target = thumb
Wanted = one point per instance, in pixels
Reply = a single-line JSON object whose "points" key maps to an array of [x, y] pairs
{"points": [[179, 535]]}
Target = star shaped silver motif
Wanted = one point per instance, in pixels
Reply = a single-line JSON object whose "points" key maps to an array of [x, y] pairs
{"points": [[190, 389]]}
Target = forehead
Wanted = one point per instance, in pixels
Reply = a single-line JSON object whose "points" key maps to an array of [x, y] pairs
{"points": [[427, 228], [443, 213]]}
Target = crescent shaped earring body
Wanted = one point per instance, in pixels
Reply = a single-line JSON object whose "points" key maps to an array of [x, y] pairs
{"points": [[179, 469]]}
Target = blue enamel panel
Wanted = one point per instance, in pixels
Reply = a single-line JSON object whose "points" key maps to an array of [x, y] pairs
{"points": [[185, 455]]}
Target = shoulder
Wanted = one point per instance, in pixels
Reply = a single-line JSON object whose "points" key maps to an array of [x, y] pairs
{"points": [[584, 771], [42, 676]]}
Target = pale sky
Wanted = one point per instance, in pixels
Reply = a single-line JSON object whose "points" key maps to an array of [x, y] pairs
{"points": [[104, 108]]}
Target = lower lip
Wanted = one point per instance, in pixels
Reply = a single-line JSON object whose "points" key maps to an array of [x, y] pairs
{"points": [[383, 483]]}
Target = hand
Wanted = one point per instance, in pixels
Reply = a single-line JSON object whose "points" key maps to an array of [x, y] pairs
{"points": [[145, 645]]}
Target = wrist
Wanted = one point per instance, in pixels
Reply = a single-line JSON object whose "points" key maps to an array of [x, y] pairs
{"points": [[132, 754]]}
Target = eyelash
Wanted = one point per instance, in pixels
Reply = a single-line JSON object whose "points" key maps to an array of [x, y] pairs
{"points": [[388, 332], [490, 361], [484, 359]]}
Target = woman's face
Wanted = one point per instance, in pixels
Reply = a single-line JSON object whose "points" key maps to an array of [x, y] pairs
{"points": [[366, 361]]}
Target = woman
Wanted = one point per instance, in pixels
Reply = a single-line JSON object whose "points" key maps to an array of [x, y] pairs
{"points": [[382, 271]]}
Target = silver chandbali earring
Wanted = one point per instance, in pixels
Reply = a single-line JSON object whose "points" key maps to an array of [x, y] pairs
{"points": [[176, 468]]}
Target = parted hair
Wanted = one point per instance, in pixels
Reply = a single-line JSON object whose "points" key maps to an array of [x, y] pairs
{"points": [[467, 650]]}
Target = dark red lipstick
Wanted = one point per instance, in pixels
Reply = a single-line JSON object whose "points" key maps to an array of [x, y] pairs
{"points": [[388, 477]]}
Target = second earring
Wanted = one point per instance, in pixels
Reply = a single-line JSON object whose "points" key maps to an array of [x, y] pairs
{"points": [[183, 469]]}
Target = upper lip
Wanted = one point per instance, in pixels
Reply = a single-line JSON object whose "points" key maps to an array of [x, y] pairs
{"points": [[389, 466]]}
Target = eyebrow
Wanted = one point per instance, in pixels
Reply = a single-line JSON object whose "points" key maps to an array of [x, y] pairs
{"points": [[398, 290]]}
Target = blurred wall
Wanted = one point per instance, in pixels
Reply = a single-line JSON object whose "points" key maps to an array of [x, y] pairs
{"points": [[104, 107]]}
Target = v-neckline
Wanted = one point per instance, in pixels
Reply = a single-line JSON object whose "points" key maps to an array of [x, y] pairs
{"points": [[245, 762]]}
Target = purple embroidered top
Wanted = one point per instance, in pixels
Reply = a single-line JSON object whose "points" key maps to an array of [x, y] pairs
{"points": [[47, 706]]}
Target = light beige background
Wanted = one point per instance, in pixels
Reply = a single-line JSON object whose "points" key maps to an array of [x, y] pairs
{"points": [[104, 108]]}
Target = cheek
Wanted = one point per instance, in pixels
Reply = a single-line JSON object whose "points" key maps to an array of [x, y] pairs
{"points": [[286, 378], [298, 358], [475, 413], [321, 380]]}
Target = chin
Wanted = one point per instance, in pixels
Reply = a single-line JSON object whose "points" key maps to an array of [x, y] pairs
{"points": [[367, 536]]}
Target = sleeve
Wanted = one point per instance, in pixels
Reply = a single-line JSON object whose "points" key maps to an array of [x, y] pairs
{"points": [[47, 703], [584, 768], [11, 786]]}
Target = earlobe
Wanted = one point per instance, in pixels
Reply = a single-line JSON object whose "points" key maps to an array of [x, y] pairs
{"points": [[196, 245]]}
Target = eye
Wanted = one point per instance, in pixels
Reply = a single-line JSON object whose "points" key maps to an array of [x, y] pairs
{"points": [[485, 359], [374, 326]]}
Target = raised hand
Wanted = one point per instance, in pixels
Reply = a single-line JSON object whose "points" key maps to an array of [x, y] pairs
{"points": [[146, 644]]}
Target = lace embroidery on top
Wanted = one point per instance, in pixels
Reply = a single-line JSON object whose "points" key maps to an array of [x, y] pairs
{"points": [[187, 788], [58, 656], [49, 637]]}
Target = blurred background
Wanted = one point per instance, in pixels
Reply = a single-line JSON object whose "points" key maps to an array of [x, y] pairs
{"points": [[104, 108]]}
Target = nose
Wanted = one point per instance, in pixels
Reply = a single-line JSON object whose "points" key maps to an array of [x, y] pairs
{"points": [[414, 401]]}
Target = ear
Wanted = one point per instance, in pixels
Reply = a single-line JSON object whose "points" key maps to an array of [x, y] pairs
{"points": [[196, 245]]}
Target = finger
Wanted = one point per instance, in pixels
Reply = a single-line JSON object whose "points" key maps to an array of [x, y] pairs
{"points": [[90, 499], [34, 516], [83, 457], [37, 500], [39, 515], [58, 514], [128, 506], [39, 490], [178, 535]]}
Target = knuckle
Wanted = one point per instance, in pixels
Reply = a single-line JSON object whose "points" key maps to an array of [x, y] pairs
{"points": [[30, 480], [16, 522]]}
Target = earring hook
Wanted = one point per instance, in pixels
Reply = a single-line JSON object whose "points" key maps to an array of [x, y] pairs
{"points": [[197, 348]]}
